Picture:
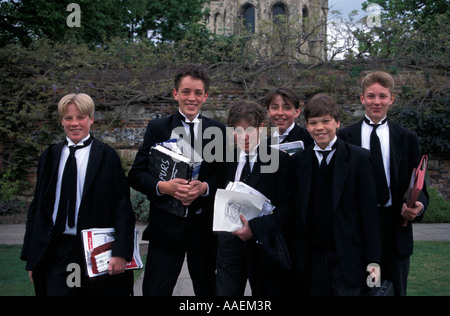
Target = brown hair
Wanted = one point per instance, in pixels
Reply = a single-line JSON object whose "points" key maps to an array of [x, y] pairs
{"points": [[249, 111], [195, 71], [320, 105], [379, 77], [287, 94]]}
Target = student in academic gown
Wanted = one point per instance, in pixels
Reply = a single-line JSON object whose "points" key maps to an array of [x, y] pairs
{"points": [[171, 237], [241, 254], [283, 107], [399, 155], [100, 200], [337, 233]]}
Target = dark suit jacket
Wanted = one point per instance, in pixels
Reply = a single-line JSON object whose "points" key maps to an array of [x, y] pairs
{"points": [[105, 202], [404, 157], [265, 274], [356, 228], [164, 229], [297, 133], [277, 186]]}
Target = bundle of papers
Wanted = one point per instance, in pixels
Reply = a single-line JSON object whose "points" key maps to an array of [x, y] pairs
{"points": [[238, 198], [98, 243]]}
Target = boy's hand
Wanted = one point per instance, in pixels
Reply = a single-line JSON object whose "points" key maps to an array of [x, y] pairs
{"points": [[245, 233], [116, 265], [178, 188], [196, 188], [409, 214]]}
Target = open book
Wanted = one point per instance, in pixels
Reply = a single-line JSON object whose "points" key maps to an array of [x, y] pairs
{"points": [[167, 162], [238, 198], [98, 243]]}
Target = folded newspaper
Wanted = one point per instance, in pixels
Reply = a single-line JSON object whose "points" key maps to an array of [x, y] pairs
{"points": [[290, 148], [98, 243], [238, 198]]}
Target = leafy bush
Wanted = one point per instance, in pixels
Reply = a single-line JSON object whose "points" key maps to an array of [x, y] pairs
{"points": [[431, 123], [141, 205], [438, 210]]}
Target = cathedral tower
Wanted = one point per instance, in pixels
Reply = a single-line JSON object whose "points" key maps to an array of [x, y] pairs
{"points": [[227, 16]]}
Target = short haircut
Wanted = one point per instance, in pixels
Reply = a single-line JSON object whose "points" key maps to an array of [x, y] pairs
{"points": [[195, 71], [379, 77], [82, 101], [321, 105], [249, 111], [287, 94]]}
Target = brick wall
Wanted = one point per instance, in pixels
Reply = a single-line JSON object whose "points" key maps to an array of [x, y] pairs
{"points": [[126, 134]]}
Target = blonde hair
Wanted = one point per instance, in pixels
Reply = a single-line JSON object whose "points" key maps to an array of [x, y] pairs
{"points": [[379, 77], [82, 101]]}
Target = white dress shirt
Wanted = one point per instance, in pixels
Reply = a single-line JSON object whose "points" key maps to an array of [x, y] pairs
{"points": [[82, 156], [383, 134]]}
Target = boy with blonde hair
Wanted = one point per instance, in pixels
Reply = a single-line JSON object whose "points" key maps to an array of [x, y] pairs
{"points": [[80, 185]]}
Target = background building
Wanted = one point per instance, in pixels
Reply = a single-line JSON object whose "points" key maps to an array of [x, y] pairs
{"points": [[229, 16]]}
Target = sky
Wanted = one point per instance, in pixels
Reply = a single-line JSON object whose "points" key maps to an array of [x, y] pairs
{"points": [[345, 6]]}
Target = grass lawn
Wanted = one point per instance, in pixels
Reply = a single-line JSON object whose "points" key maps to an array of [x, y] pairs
{"points": [[429, 273]]}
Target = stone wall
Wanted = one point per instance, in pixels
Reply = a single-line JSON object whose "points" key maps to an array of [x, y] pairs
{"points": [[127, 138], [123, 127]]}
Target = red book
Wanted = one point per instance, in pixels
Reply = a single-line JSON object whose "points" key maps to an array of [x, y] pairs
{"points": [[416, 184]]}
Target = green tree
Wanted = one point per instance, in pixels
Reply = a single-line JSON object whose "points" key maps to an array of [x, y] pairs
{"points": [[414, 30], [25, 21], [169, 20]]}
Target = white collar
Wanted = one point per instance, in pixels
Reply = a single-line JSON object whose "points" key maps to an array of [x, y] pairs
{"points": [[81, 143], [286, 132], [186, 120], [329, 146]]}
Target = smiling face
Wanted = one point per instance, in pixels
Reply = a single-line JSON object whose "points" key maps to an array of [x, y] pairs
{"points": [[377, 100], [191, 96], [322, 129], [76, 124], [282, 113], [246, 136]]}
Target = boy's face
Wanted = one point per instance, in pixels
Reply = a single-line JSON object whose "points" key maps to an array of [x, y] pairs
{"points": [[191, 96], [282, 113], [246, 136], [76, 125], [322, 129], [377, 100]]}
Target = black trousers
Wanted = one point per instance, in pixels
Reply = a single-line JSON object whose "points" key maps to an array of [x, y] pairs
{"points": [[394, 268], [326, 277], [238, 261], [163, 265], [51, 277], [233, 266]]}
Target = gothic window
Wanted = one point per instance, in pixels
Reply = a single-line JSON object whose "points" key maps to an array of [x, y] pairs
{"points": [[278, 10], [216, 23], [305, 12], [305, 15], [249, 17]]}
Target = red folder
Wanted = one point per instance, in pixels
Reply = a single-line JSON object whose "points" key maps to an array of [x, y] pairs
{"points": [[416, 184]]}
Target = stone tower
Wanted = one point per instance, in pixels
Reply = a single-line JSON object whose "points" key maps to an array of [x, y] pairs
{"points": [[225, 15]]}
